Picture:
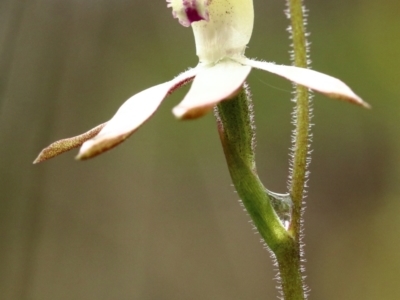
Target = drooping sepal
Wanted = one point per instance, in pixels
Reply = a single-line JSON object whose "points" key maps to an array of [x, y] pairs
{"points": [[131, 115]]}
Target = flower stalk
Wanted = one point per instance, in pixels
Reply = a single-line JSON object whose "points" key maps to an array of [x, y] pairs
{"points": [[237, 134], [236, 130], [301, 117]]}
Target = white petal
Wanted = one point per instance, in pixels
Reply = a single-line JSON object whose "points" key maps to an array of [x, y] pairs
{"points": [[131, 115], [211, 85], [325, 84]]}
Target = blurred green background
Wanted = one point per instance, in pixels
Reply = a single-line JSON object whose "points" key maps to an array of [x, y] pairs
{"points": [[157, 217]]}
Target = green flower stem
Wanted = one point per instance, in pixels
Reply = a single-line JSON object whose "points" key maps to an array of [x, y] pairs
{"points": [[302, 117], [237, 133], [234, 118]]}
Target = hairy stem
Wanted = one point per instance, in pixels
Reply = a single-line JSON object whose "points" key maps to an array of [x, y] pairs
{"points": [[234, 118], [236, 132], [302, 118]]}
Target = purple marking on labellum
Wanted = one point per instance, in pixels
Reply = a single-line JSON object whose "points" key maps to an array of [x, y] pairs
{"points": [[193, 15]]}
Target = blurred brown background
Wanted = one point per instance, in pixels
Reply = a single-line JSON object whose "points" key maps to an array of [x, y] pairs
{"points": [[157, 218]]}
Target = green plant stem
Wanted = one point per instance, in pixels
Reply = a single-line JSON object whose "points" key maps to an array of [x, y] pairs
{"points": [[234, 118], [236, 134], [302, 119]]}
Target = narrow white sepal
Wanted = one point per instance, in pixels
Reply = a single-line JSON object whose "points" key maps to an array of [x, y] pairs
{"points": [[131, 115], [320, 82], [211, 85]]}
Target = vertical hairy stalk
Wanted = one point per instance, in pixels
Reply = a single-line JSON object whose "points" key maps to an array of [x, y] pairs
{"points": [[301, 116], [236, 130]]}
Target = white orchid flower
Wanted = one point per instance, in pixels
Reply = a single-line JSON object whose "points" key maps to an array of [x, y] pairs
{"points": [[222, 30]]}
